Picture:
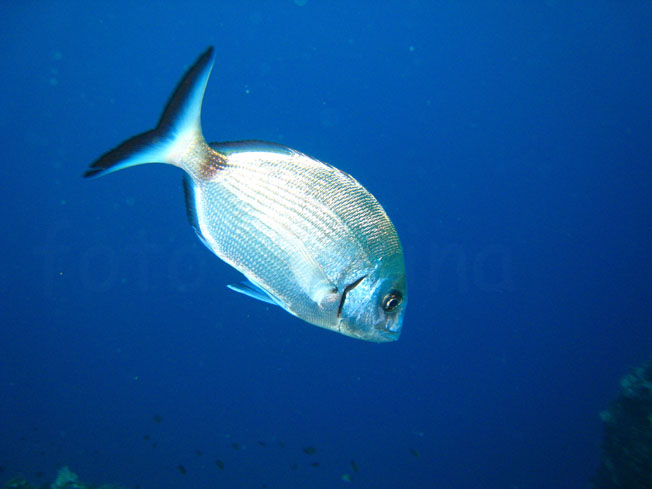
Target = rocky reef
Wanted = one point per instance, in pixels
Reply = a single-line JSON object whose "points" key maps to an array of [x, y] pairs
{"points": [[627, 444], [66, 479]]}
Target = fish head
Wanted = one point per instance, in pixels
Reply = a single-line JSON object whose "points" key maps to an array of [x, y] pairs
{"points": [[373, 305]]}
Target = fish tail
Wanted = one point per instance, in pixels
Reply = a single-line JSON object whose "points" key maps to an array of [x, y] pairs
{"points": [[178, 135]]}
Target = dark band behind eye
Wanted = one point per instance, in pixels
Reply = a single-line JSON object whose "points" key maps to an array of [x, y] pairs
{"points": [[347, 289]]}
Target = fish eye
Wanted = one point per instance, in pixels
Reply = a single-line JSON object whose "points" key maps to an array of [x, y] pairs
{"points": [[392, 300]]}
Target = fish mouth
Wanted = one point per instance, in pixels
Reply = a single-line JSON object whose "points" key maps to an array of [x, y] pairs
{"points": [[387, 335], [380, 333], [387, 332]]}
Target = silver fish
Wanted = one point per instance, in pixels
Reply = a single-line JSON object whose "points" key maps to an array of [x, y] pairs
{"points": [[307, 236]]}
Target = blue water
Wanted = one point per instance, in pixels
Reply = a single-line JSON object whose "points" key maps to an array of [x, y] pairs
{"points": [[510, 143]]}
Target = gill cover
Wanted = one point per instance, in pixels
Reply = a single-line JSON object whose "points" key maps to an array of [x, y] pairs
{"points": [[374, 305]]}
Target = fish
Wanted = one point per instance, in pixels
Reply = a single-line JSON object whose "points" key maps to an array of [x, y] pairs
{"points": [[219, 464], [305, 235], [309, 450]]}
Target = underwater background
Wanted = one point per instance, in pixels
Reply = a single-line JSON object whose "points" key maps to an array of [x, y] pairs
{"points": [[511, 144]]}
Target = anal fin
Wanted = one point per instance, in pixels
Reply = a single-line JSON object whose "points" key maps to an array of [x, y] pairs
{"points": [[191, 208]]}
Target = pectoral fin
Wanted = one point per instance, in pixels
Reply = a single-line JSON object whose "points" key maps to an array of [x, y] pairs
{"points": [[247, 288]]}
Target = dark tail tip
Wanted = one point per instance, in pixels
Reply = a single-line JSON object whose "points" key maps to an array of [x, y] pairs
{"points": [[181, 115]]}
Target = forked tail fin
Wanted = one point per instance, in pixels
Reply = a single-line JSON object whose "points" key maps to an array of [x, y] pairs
{"points": [[178, 129]]}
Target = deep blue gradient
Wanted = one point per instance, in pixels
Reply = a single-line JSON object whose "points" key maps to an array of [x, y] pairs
{"points": [[510, 143]]}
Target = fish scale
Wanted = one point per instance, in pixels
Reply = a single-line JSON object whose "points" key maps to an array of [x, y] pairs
{"points": [[262, 259], [310, 222], [252, 205], [310, 218]]}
